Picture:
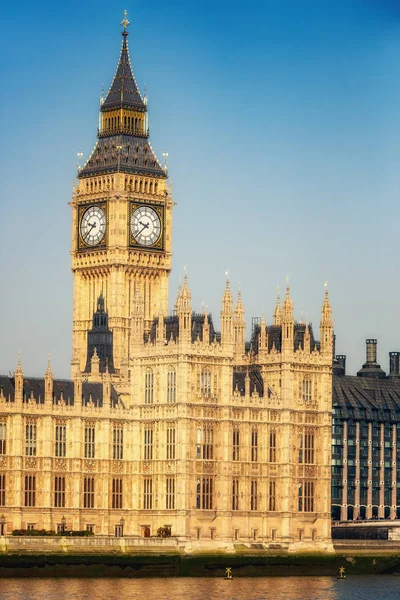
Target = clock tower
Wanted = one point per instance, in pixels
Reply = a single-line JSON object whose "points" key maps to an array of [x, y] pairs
{"points": [[121, 219]]}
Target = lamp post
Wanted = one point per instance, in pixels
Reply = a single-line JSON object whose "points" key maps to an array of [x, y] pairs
{"points": [[63, 522], [2, 523], [122, 523]]}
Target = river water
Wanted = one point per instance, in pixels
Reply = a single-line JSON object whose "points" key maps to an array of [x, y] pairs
{"points": [[376, 587]]}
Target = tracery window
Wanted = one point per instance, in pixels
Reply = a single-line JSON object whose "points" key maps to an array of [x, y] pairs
{"points": [[204, 493], [59, 492], [272, 496], [2, 489], [148, 444], [208, 443], [117, 493], [61, 440], [171, 385], [148, 493], [306, 447], [235, 445], [89, 441], [118, 442], [306, 389], [235, 494], [306, 496], [149, 387], [253, 494], [170, 443], [254, 445], [205, 382], [272, 445], [170, 493], [30, 439], [30, 490], [88, 492], [3, 437]]}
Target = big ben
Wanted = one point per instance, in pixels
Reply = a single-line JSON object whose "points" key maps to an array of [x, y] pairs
{"points": [[121, 219]]}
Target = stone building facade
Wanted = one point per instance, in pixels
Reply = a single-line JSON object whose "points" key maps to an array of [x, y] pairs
{"points": [[165, 421]]}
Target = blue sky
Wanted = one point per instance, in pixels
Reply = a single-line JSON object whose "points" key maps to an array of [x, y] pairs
{"points": [[282, 125]]}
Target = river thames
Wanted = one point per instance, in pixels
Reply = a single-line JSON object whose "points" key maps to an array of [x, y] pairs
{"points": [[375, 587]]}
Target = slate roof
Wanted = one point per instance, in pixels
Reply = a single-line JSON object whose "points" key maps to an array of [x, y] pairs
{"points": [[172, 328], [366, 398], [256, 382], [275, 337], [63, 389], [124, 91]]}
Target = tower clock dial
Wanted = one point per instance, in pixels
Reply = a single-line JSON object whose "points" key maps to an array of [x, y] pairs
{"points": [[93, 225], [145, 226]]}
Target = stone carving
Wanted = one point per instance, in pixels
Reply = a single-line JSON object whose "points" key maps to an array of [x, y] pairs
{"points": [[90, 465]]}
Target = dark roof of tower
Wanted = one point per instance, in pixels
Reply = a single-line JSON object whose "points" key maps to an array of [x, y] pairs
{"points": [[275, 337], [136, 156], [366, 398], [124, 90], [256, 380]]}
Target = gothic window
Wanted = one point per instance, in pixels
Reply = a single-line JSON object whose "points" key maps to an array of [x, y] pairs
{"points": [[208, 443], [306, 389], [254, 445], [170, 443], [253, 494], [30, 490], [59, 492], [207, 493], [89, 441], [88, 492], [2, 490], [272, 445], [171, 385], [272, 496], [306, 496], [30, 439], [170, 493], [306, 447], [235, 445], [61, 440], [198, 442], [3, 437], [117, 493], [205, 382], [235, 494], [118, 442], [148, 493], [148, 444], [149, 387]]}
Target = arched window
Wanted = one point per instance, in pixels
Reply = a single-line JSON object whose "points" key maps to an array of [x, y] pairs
{"points": [[306, 389], [205, 382], [149, 387], [171, 385]]}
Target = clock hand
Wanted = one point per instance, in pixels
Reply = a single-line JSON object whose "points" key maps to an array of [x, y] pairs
{"points": [[87, 234], [144, 227]]}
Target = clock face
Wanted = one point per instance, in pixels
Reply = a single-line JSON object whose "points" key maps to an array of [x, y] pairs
{"points": [[93, 225], [145, 226]]}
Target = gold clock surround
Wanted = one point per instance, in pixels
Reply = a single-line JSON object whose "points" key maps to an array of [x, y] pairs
{"points": [[159, 244], [82, 208]]}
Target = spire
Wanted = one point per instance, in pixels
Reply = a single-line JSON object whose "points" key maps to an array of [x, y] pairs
{"points": [[326, 326], [227, 316], [124, 91], [123, 144], [48, 371], [278, 309], [227, 300], [239, 327], [287, 311], [326, 312]]}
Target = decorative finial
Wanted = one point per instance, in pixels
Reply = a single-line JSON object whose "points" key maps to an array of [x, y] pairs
{"points": [[184, 269], [165, 155], [277, 290], [125, 23], [226, 274], [287, 280], [79, 155]]}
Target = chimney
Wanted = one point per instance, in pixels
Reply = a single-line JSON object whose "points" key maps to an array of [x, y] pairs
{"points": [[394, 364], [371, 350], [341, 363], [371, 368]]}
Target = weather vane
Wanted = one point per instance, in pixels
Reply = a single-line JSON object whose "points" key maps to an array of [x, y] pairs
{"points": [[125, 21]]}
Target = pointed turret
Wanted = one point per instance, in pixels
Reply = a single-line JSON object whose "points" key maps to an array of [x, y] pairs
{"points": [[19, 381], [278, 309], [137, 322], [100, 336], [227, 317], [184, 311], [239, 327], [123, 144], [307, 337], [95, 366], [48, 383], [287, 322], [263, 338], [326, 326]]}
